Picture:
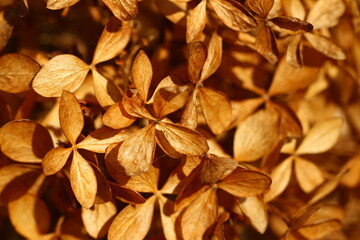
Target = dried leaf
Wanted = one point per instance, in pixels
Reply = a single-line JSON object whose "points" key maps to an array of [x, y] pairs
{"points": [[293, 53], [256, 135], [116, 117], [30, 216], [137, 152], [261, 7], [184, 140], [326, 46], [255, 210], [196, 58], [167, 217], [59, 4], [105, 91], [17, 72], [294, 8], [55, 160], [214, 56], [6, 26], [233, 15], [142, 74], [327, 187], [168, 100], [199, 216], [212, 168], [280, 179], [216, 108], [317, 231], [189, 116], [83, 180], [133, 221], [63, 72], [326, 13], [126, 194], [266, 44], [25, 141], [97, 219], [308, 174], [245, 183], [292, 25], [321, 137], [123, 9], [196, 21], [71, 117], [113, 40], [100, 139]]}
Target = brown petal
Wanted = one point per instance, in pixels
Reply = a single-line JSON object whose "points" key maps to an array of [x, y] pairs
{"points": [[103, 193], [134, 105], [245, 183], [83, 180], [233, 15], [6, 26], [321, 137], [261, 7], [184, 140], [280, 179], [167, 217], [196, 56], [55, 160], [25, 141], [168, 100], [326, 13], [146, 182], [294, 8], [97, 219], [309, 175], [141, 74], [71, 116], [327, 187], [63, 72], [100, 139], [351, 179], [214, 56], [123, 9], [16, 180], [301, 216], [289, 79], [256, 135], [266, 43], [30, 216], [133, 221], [199, 216], [294, 51], [16, 72], [59, 4], [212, 168], [255, 209], [126, 194], [189, 116], [216, 108], [195, 21], [106, 92], [116, 117], [137, 152], [292, 25], [113, 40], [326, 46], [317, 231]]}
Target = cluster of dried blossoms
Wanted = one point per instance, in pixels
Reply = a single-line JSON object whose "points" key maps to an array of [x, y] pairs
{"points": [[179, 119]]}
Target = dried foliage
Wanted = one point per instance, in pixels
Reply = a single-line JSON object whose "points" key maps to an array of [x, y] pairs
{"points": [[180, 119]]}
